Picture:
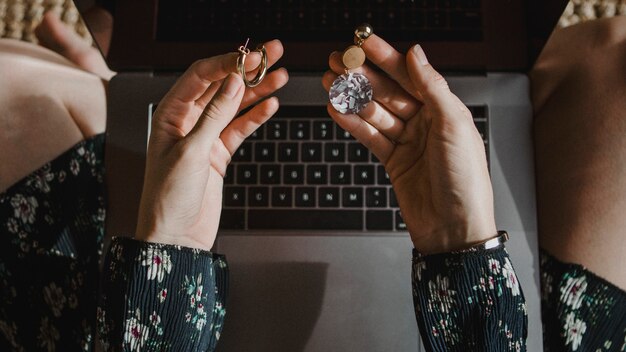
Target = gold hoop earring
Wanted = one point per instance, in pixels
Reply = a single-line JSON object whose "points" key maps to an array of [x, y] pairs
{"points": [[262, 68]]}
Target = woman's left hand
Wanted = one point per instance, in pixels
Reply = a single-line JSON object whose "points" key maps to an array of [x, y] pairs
{"points": [[192, 140]]}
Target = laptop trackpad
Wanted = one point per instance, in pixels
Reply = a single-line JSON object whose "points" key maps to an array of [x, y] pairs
{"points": [[326, 293]]}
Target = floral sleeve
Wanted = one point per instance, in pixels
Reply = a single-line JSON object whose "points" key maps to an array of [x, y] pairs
{"points": [[469, 302], [158, 297]]}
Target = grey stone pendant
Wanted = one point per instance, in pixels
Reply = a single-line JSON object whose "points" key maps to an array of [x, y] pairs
{"points": [[350, 93]]}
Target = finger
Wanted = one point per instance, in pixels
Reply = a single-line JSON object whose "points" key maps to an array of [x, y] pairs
{"points": [[386, 91], [428, 82], [272, 57], [53, 34], [242, 127], [194, 82], [274, 51], [391, 61], [365, 133], [218, 113], [220, 158], [375, 114], [272, 82]]}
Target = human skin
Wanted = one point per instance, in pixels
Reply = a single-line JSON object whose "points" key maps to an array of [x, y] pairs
{"points": [[579, 100], [194, 135], [47, 104], [426, 139]]}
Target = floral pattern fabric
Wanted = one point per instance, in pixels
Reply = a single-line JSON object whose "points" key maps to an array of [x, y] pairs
{"points": [[51, 235], [469, 302], [51, 231], [159, 297], [580, 311], [180, 288]]}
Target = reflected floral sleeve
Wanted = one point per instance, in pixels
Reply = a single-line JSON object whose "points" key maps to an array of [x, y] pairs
{"points": [[161, 297], [469, 301]]}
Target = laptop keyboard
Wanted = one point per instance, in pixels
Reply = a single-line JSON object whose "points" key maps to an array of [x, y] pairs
{"points": [[300, 171], [318, 20]]}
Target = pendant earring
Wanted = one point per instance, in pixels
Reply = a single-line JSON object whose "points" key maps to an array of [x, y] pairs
{"points": [[241, 64], [352, 91]]}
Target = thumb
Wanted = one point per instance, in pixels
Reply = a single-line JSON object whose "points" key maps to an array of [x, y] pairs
{"points": [[430, 84], [219, 112]]}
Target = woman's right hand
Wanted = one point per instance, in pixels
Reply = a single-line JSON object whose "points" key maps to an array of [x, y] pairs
{"points": [[426, 139]]}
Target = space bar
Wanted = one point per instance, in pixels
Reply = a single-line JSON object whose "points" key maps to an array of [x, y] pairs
{"points": [[288, 219]]}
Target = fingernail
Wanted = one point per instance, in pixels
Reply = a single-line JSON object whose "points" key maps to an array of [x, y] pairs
{"points": [[421, 56], [231, 85]]}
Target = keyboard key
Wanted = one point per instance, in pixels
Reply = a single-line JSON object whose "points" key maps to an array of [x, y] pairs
{"points": [[234, 196], [415, 18], [288, 152], [470, 3], [345, 19], [323, 130], [437, 19], [282, 196], [293, 174], [379, 219], [465, 19], [328, 196], [233, 219], [254, 17], [335, 152], [357, 152], [312, 152], [246, 174], [392, 20], [309, 219], [300, 130], [382, 176], [393, 201], [376, 197], [340, 174], [258, 196], [400, 225], [321, 19], [277, 130], [264, 152], [229, 177], [270, 174], [352, 197], [364, 175], [243, 153], [305, 197], [343, 135], [317, 174], [257, 135], [301, 20]]}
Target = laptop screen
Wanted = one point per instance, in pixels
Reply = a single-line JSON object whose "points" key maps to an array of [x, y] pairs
{"points": [[459, 35], [318, 20]]}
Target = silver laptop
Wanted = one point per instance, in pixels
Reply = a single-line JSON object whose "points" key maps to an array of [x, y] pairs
{"points": [[318, 252]]}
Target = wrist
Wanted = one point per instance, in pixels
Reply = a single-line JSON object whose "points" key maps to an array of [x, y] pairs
{"points": [[161, 234], [492, 243], [454, 238], [174, 240]]}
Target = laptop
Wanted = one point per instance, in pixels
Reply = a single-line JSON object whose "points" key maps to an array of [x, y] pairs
{"points": [[319, 256]]}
